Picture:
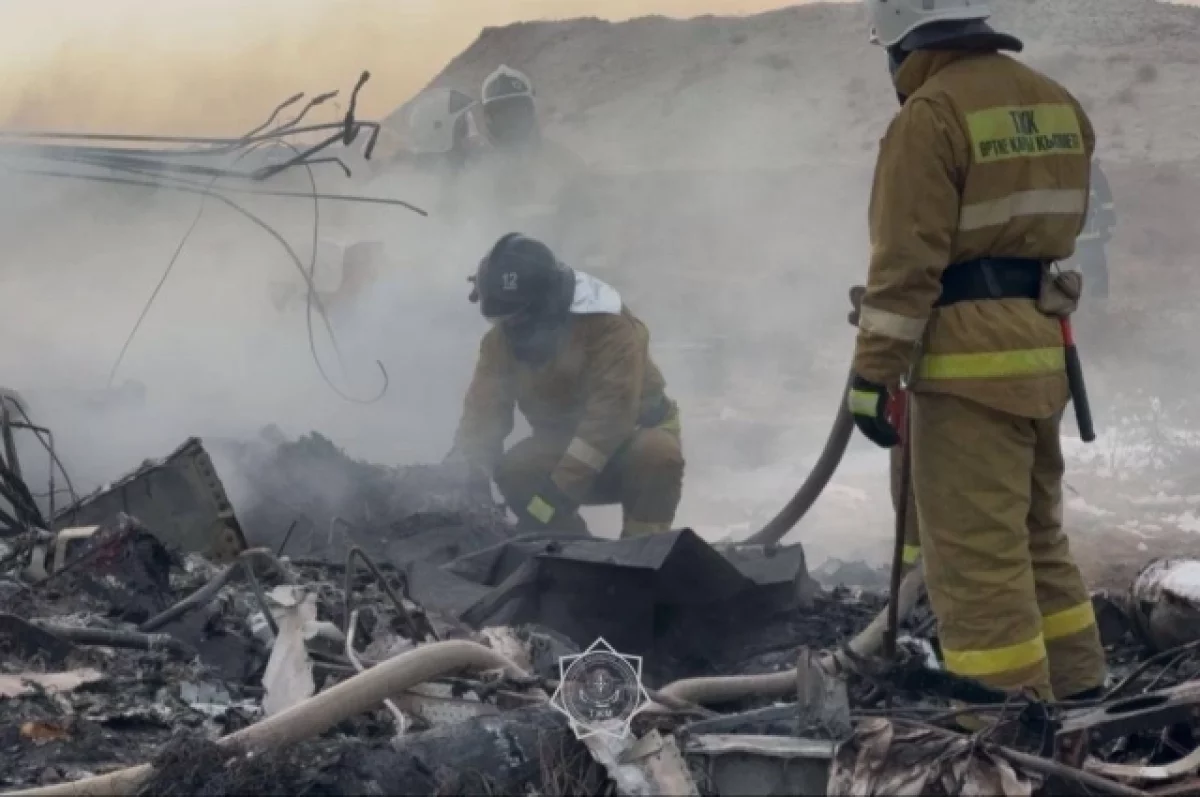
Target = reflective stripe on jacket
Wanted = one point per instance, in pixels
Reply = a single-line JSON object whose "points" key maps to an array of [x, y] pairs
{"points": [[987, 158]]}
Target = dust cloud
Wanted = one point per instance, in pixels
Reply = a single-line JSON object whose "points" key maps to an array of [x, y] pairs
{"points": [[737, 303], [728, 168]]}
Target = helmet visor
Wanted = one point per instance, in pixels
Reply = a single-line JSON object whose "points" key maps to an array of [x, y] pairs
{"points": [[495, 309], [511, 120], [498, 311]]}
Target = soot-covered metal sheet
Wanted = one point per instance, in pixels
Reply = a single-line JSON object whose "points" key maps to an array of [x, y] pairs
{"points": [[628, 591]]}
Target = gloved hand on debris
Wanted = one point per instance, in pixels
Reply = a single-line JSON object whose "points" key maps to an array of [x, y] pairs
{"points": [[870, 405], [550, 504]]}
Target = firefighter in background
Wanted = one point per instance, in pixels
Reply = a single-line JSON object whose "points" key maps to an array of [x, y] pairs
{"points": [[537, 182], [441, 142], [510, 120], [1091, 255], [961, 298], [566, 351], [438, 128]]}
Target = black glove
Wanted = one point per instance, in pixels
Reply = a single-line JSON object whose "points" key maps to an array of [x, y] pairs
{"points": [[856, 296], [868, 403], [550, 504]]}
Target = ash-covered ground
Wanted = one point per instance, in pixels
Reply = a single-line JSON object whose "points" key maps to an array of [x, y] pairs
{"points": [[131, 650]]}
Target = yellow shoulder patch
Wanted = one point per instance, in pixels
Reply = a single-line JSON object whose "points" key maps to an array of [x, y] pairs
{"points": [[1024, 131]]}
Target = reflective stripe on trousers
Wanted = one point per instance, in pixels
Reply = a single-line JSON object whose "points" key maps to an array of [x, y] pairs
{"points": [[1069, 621], [1011, 606], [981, 663], [996, 661]]}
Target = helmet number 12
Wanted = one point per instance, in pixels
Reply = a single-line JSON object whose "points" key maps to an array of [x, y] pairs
{"points": [[508, 281]]}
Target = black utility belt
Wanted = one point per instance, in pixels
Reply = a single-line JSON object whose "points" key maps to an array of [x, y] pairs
{"points": [[991, 278]]}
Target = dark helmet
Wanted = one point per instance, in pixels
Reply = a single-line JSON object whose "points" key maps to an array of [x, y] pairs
{"points": [[519, 279], [508, 107]]}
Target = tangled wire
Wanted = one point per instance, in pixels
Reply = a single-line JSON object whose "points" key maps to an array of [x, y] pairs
{"points": [[175, 160]]}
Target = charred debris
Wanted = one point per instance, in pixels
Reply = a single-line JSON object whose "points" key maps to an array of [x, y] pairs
{"points": [[353, 628]]}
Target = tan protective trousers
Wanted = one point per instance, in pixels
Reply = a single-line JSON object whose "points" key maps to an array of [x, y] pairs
{"points": [[645, 477], [1011, 605]]}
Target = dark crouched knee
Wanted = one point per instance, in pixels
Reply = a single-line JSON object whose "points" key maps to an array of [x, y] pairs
{"points": [[659, 450]]}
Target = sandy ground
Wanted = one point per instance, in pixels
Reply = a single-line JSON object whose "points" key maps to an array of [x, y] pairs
{"points": [[803, 85]]}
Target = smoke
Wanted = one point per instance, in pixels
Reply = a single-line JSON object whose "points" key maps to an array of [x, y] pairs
{"points": [[730, 171], [223, 350], [718, 253]]}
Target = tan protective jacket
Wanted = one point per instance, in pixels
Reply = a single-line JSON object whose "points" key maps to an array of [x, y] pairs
{"points": [[590, 396], [986, 158]]}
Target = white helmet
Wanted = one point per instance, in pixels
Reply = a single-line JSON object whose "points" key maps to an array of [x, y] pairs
{"points": [[506, 82], [432, 118], [892, 20]]}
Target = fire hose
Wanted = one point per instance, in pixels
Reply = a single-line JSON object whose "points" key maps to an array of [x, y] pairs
{"points": [[903, 593], [723, 689], [317, 714], [843, 426], [827, 462], [368, 689], [363, 692]]}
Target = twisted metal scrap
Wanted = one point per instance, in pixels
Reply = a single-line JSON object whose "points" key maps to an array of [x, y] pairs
{"points": [[169, 166], [194, 155]]}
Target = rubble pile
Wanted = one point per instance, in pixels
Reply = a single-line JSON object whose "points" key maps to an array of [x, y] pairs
{"points": [[135, 664], [309, 498], [108, 662]]}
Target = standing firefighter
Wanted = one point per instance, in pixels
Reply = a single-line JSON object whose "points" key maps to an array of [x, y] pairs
{"points": [[570, 355], [438, 127], [538, 183], [981, 185]]}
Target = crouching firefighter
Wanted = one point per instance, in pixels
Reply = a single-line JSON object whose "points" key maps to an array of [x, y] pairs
{"points": [[566, 351], [981, 185]]}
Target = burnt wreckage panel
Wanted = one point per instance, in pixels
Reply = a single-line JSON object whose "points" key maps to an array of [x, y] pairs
{"points": [[669, 597], [179, 498]]}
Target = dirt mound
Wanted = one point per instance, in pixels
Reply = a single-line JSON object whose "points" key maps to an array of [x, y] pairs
{"points": [[802, 84]]}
